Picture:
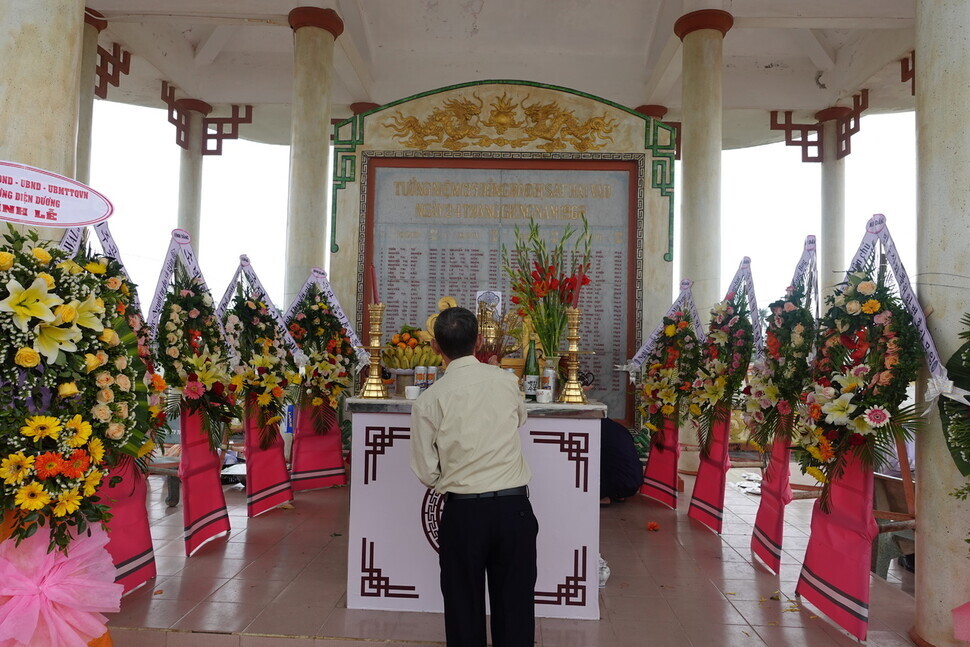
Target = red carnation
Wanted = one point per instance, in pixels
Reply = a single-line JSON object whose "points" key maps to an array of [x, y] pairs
{"points": [[857, 439]]}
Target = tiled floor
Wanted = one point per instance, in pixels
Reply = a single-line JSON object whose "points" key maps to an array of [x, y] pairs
{"points": [[280, 580]]}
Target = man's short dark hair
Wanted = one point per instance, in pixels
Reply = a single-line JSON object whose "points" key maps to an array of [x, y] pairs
{"points": [[456, 331]]}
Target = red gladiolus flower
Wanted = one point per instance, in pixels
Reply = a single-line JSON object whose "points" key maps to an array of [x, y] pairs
{"points": [[857, 439], [516, 300]]}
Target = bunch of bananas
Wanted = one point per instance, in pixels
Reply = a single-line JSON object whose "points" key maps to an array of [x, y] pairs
{"points": [[405, 358], [409, 348]]}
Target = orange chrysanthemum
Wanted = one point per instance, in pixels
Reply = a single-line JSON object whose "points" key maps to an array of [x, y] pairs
{"points": [[48, 465]]}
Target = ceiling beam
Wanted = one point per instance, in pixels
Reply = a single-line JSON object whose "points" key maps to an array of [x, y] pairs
{"points": [[666, 71], [824, 22], [213, 44], [165, 49], [871, 52], [812, 43]]}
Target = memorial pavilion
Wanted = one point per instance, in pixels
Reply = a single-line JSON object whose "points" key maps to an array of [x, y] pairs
{"points": [[714, 74]]}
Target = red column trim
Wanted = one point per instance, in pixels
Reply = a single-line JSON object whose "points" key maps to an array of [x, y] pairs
{"points": [[363, 106], [316, 17], [652, 110], [95, 19], [717, 19], [835, 112]]}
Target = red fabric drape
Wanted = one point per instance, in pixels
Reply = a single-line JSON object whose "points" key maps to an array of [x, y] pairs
{"points": [[129, 535], [660, 475], [707, 499], [267, 480], [835, 574], [769, 525], [317, 459], [203, 503]]}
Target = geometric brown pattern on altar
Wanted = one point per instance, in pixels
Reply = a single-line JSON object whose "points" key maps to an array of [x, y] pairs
{"points": [[573, 591], [576, 448], [376, 442], [373, 583]]}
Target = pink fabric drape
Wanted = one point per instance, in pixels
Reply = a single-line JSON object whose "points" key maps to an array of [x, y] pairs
{"points": [[267, 480], [660, 475], [769, 524], [707, 499], [961, 622], [129, 535], [317, 460], [203, 503], [835, 574]]}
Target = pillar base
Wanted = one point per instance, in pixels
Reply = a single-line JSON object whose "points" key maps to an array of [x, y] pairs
{"points": [[919, 641]]}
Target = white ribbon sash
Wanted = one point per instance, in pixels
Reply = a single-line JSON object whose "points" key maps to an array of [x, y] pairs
{"points": [[877, 232], [743, 275], [807, 271], [179, 249], [683, 302], [319, 278], [245, 268], [71, 242]]}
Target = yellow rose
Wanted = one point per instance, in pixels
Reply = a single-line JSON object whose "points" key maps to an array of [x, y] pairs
{"points": [[66, 312], [27, 357], [110, 337], [67, 389], [41, 254], [6, 260], [91, 362], [48, 279], [96, 268]]}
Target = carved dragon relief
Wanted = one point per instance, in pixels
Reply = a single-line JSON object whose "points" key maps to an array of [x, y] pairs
{"points": [[458, 123]]}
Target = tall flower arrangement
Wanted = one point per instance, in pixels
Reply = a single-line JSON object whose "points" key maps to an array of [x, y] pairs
{"points": [[868, 353], [669, 372], [724, 363], [191, 356], [68, 386], [776, 381], [330, 356], [263, 365], [545, 280]]}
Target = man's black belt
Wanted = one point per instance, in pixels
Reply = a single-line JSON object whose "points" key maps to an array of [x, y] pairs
{"points": [[522, 490]]}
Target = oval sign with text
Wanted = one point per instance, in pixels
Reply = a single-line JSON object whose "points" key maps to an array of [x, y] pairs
{"points": [[38, 198]]}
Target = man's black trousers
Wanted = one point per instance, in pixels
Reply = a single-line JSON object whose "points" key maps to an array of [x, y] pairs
{"points": [[497, 536]]}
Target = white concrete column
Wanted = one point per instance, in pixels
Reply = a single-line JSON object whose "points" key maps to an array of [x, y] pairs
{"points": [[94, 24], [943, 258], [314, 33], [702, 33], [190, 169], [39, 110], [832, 263]]}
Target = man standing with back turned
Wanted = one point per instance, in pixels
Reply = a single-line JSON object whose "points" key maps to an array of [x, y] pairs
{"points": [[465, 444]]}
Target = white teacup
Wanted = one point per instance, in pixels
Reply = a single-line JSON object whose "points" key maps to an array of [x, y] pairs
{"points": [[544, 396], [412, 392]]}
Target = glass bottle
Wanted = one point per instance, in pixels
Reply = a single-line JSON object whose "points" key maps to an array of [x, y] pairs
{"points": [[530, 372]]}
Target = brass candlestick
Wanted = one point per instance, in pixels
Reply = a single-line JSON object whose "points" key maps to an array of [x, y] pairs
{"points": [[374, 386], [572, 390]]}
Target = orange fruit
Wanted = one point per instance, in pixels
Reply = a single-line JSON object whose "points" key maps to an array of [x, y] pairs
{"points": [[406, 336], [395, 339], [413, 342], [401, 344]]}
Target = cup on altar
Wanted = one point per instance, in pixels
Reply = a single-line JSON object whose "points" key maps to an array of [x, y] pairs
{"points": [[412, 392], [421, 376], [544, 396]]}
